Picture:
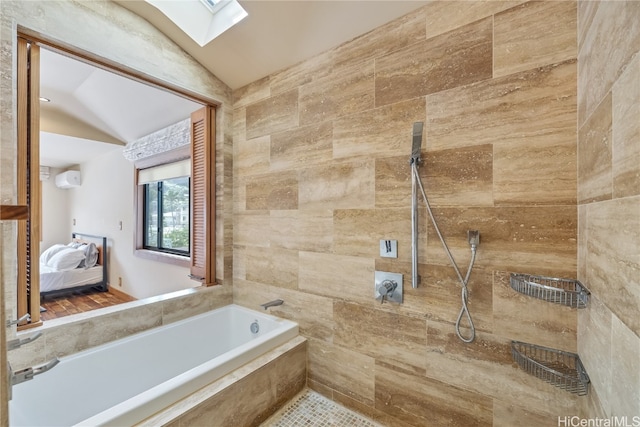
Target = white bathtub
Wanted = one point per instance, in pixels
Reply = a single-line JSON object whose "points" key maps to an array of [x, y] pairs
{"points": [[123, 382]]}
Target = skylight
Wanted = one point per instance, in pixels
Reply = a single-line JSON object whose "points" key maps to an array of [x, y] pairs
{"points": [[202, 20]]}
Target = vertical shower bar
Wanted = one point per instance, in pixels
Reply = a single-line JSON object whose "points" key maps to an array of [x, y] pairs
{"points": [[414, 162], [414, 228]]}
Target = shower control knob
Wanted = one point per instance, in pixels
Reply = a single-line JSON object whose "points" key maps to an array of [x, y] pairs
{"points": [[386, 289]]}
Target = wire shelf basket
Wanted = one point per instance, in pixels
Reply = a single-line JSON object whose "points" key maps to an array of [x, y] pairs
{"points": [[567, 292], [559, 368]]}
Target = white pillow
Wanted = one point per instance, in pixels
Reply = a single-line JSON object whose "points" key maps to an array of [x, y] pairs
{"points": [[67, 259], [49, 253], [90, 254]]}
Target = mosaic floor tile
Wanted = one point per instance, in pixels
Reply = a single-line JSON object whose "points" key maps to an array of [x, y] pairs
{"points": [[311, 409]]}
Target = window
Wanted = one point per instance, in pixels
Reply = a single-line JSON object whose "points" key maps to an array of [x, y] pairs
{"points": [[166, 216], [164, 192], [202, 20], [175, 188]]}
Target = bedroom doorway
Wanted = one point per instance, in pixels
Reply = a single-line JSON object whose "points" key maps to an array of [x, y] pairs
{"points": [[32, 126]]}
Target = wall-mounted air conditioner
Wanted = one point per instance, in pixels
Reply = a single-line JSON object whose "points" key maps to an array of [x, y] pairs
{"points": [[68, 179]]}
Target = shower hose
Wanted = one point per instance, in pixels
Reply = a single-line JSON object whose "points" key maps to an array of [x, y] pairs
{"points": [[464, 310]]}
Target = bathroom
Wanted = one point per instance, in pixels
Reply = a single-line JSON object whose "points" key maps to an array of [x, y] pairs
{"points": [[531, 137]]}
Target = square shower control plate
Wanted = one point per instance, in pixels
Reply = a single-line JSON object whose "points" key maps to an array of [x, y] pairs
{"points": [[380, 277]]}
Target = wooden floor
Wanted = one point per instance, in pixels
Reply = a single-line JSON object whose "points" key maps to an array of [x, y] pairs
{"points": [[79, 302]]}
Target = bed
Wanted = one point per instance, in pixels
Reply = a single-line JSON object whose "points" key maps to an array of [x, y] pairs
{"points": [[75, 266]]}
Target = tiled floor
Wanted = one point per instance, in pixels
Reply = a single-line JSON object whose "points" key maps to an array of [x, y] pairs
{"points": [[311, 409]]}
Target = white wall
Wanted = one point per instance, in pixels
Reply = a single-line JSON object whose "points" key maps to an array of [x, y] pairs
{"points": [[103, 200], [56, 222]]}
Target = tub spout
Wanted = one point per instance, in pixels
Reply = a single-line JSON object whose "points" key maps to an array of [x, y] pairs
{"points": [[272, 303]]}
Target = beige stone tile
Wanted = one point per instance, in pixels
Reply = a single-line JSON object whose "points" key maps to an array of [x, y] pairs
{"points": [[534, 34], [383, 131], [582, 242], [358, 231], [175, 309], [305, 72], [613, 257], [626, 132], [230, 405], [512, 415], [423, 401], [337, 276], [536, 239], [272, 191], [625, 370], [239, 123], [536, 172], [514, 109], [271, 115], [360, 328], [387, 38], [239, 196], [239, 264], [459, 177], [443, 295], [302, 147], [487, 348], [610, 37], [338, 185], [251, 156], [443, 16], [594, 155], [320, 388], [289, 374], [343, 370], [72, 338], [370, 412], [339, 94], [594, 348], [313, 313], [251, 229], [528, 319], [393, 182], [591, 406], [29, 355], [303, 230], [272, 266], [586, 14], [253, 92], [456, 58], [486, 367]]}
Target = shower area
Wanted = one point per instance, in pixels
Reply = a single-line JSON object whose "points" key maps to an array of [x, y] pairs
{"points": [[326, 172]]}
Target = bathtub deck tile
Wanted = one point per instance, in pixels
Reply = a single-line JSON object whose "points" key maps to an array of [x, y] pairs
{"points": [[311, 409]]}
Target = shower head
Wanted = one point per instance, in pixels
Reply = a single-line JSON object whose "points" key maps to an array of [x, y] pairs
{"points": [[417, 142]]}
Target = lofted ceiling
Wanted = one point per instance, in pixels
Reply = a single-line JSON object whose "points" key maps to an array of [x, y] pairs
{"points": [[91, 106]]}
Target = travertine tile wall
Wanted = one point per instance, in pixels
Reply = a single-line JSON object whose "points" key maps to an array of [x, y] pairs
{"points": [[321, 174], [609, 203]]}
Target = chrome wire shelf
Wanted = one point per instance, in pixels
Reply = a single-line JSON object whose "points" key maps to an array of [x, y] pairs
{"points": [[559, 368], [567, 292]]}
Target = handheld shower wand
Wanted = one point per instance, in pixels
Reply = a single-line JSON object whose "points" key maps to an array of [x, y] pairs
{"points": [[415, 161], [473, 237]]}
